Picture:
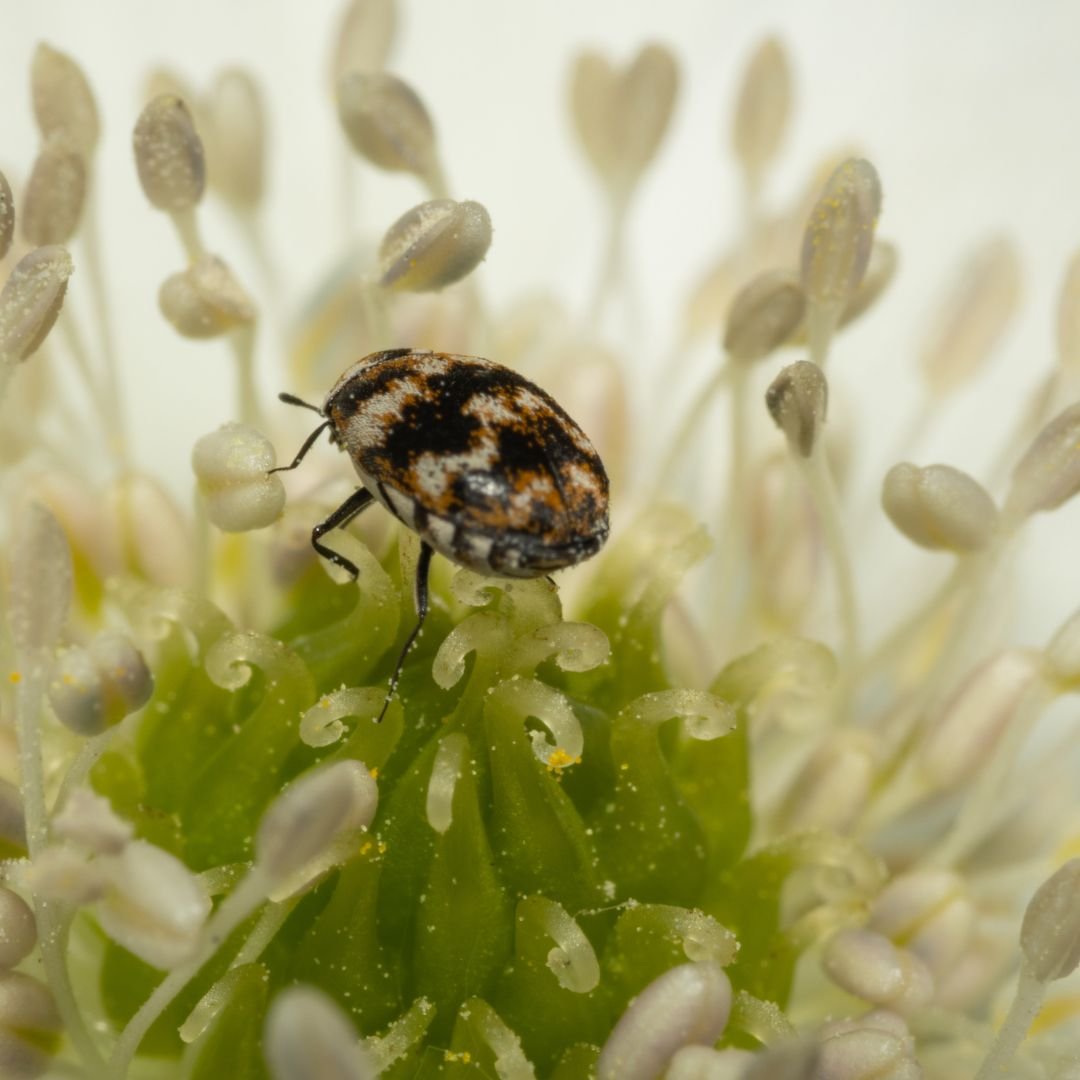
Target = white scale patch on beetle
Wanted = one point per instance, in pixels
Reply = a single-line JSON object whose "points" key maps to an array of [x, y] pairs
{"points": [[433, 473]]}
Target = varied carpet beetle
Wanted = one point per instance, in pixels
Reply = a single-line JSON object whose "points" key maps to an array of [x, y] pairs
{"points": [[483, 465]]}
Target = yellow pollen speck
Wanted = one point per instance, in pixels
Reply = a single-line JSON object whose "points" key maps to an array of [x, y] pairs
{"points": [[374, 772], [15, 677], [559, 759], [366, 847]]}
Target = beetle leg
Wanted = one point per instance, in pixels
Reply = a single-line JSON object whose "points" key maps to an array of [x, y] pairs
{"points": [[420, 595], [357, 501], [302, 452]]}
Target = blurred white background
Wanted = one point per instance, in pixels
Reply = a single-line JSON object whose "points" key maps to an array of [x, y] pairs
{"points": [[966, 108]]}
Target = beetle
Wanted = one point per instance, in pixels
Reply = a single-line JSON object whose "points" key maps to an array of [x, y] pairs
{"points": [[480, 462]]}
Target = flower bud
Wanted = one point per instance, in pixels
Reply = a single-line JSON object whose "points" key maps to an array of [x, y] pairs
{"points": [[18, 929], [973, 317], [705, 1063], [96, 687], [31, 300], [1049, 473], [364, 37], [311, 813], [26, 1004], [763, 108], [797, 400], [7, 216], [88, 821], [63, 101], [939, 507], [232, 470], [839, 235], [867, 1054], [41, 581], [1050, 932], [688, 1004], [237, 152], [153, 906], [169, 155], [763, 315], [621, 117], [977, 716], [387, 123], [19, 1059], [833, 786], [308, 1037], [433, 245], [929, 911], [871, 967], [205, 300], [55, 193]]}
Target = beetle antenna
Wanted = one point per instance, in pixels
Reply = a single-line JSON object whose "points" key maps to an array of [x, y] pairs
{"points": [[292, 399], [308, 443]]}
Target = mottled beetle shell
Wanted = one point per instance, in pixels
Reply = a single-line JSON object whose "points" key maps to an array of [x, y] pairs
{"points": [[479, 461]]}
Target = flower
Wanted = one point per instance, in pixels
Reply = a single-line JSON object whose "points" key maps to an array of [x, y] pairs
{"points": [[625, 824]]}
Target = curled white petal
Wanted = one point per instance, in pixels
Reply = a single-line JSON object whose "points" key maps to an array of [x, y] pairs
{"points": [[155, 613], [473, 589], [210, 1005], [308, 1037], [706, 716], [574, 646], [572, 961], [321, 724], [510, 1060], [528, 698], [482, 632], [402, 1035], [703, 938], [446, 770], [687, 1005], [231, 658]]}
